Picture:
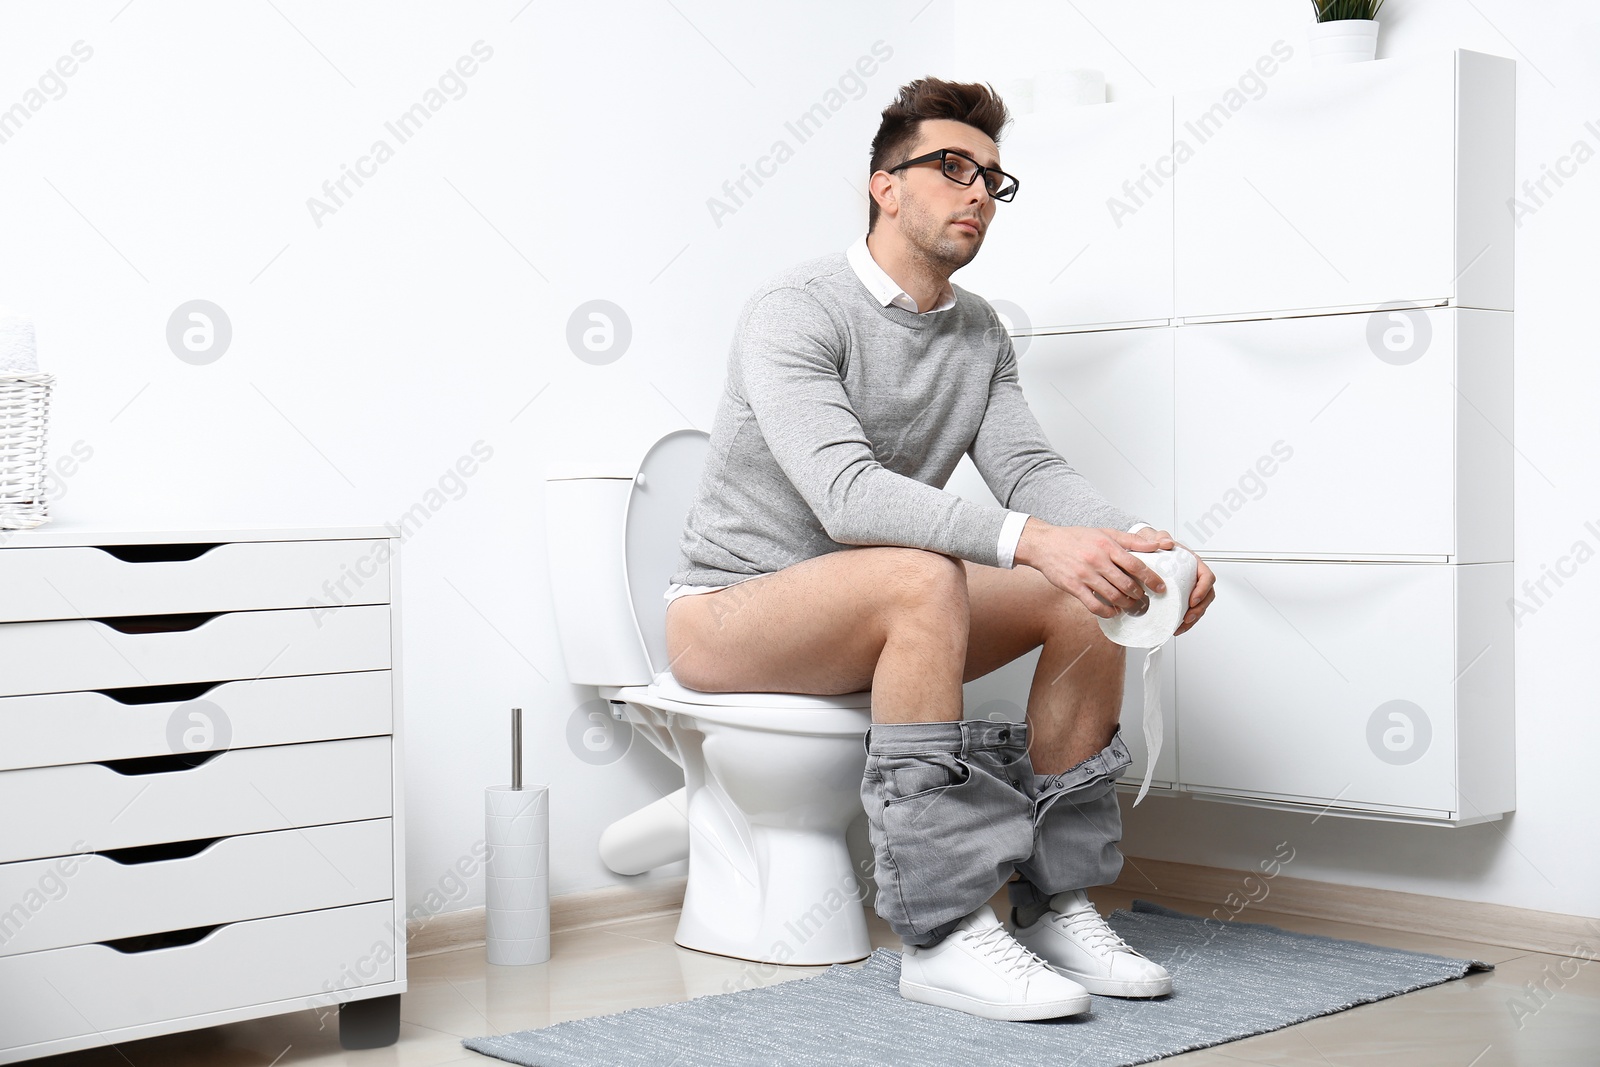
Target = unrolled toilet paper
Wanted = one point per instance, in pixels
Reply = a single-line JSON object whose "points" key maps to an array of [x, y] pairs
{"points": [[18, 354], [1152, 629]]}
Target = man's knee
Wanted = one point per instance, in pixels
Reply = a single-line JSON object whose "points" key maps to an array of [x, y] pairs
{"points": [[921, 577]]}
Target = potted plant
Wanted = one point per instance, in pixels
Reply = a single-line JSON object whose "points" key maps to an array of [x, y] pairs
{"points": [[1346, 31]]}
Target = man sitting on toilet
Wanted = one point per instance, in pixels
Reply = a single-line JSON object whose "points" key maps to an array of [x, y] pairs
{"points": [[825, 557]]}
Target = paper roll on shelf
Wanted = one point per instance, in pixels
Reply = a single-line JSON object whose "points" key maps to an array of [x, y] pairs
{"points": [[1152, 629]]}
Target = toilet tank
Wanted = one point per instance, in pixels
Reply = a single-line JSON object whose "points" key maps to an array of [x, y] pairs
{"points": [[585, 510], [612, 536]]}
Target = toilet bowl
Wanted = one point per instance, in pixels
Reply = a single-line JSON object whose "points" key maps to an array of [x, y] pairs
{"points": [[771, 780]]}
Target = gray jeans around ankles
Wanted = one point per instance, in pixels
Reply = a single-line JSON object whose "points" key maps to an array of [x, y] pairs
{"points": [[954, 807]]}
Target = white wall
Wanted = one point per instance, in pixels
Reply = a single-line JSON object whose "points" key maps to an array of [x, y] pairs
{"points": [[429, 312], [1545, 855]]}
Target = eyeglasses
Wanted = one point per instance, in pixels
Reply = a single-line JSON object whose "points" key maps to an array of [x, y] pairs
{"points": [[964, 170]]}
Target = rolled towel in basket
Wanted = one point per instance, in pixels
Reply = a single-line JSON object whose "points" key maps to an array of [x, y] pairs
{"points": [[18, 354]]}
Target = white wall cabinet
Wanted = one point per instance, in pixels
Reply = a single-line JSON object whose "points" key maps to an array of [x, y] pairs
{"points": [[1107, 397], [1350, 685], [200, 776], [1349, 186], [1369, 435], [1062, 252], [1337, 371]]}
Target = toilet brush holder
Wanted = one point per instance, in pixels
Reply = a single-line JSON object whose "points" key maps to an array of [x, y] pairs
{"points": [[517, 874]]}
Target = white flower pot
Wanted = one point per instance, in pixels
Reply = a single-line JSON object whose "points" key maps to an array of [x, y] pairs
{"points": [[1343, 41]]}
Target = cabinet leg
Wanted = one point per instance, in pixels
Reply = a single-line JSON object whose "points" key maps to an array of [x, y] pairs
{"points": [[371, 1023]]}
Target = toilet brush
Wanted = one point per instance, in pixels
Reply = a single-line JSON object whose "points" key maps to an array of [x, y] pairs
{"points": [[517, 875]]}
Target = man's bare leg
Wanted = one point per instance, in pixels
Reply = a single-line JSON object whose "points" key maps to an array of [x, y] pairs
{"points": [[1076, 697], [893, 620], [912, 626]]}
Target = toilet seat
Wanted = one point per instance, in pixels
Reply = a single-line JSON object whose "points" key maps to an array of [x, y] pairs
{"points": [[672, 689], [795, 713]]}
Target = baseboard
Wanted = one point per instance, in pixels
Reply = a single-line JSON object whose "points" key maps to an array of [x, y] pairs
{"points": [[1492, 924], [570, 911]]}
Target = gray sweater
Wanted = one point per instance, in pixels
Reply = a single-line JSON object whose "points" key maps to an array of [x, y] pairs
{"points": [[841, 421]]}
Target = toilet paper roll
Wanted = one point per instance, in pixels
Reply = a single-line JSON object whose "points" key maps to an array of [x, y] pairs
{"points": [[1152, 629], [517, 874], [18, 353]]}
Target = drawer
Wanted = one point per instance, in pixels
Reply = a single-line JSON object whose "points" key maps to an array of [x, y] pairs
{"points": [[51, 728], [1342, 684], [1073, 380], [97, 989], [1310, 437], [78, 900], [91, 806], [86, 583], [82, 654], [1357, 184]]}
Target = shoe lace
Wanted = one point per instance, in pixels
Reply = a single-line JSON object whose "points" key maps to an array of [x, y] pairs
{"points": [[1090, 929], [1006, 952]]}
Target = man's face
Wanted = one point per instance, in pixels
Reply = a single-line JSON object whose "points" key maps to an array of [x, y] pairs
{"points": [[941, 219]]}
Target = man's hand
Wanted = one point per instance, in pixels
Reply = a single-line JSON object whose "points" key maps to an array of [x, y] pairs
{"points": [[1204, 583], [1098, 567], [1095, 565]]}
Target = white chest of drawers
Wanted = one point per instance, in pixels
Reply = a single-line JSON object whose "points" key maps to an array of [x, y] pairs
{"points": [[200, 794]]}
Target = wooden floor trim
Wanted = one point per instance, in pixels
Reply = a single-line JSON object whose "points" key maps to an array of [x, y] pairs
{"points": [[570, 911], [1492, 924], [1230, 892]]}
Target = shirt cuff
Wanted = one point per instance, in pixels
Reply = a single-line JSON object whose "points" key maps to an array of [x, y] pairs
{"points": [[1010, 534]]}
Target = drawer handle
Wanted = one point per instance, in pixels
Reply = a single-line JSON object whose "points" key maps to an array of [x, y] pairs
{"points": [[165, 939], [177, 692], [178, 761], [167, 850], [157, 553], [160, 624]]}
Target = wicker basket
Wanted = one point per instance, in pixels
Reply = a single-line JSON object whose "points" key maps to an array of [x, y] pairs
{"points": [[24, 417]]}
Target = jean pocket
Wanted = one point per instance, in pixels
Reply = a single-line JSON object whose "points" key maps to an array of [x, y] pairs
{"points": [[910, 777]]}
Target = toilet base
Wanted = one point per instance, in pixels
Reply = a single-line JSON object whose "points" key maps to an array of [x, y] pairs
{"points": [[811, 913], [773, 884]]}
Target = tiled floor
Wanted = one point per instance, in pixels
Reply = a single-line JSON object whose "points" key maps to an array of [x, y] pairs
{"points": [[601, 970]]}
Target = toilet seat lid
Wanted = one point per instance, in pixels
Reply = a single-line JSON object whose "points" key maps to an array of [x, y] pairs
{"points": [[665, 685]]}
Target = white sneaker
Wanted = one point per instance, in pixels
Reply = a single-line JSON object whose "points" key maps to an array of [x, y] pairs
{"points": [[980, 969], [1076, 942]]}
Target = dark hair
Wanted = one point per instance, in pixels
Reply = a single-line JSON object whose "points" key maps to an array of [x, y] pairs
{"points": [[932, 98]]}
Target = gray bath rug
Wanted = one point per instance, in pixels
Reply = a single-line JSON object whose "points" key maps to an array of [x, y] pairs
{"points": [[1230, 980]]}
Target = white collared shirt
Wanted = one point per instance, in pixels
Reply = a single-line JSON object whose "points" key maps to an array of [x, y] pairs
{"points": [[886, 291]]}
